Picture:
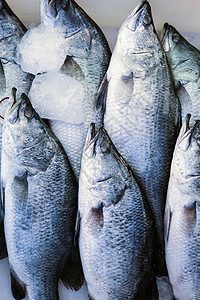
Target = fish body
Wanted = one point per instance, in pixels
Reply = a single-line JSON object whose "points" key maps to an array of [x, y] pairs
{"points": [[182, 215], [88, 55], [40, 204], [140, 107], [184, 61], [11, 31], [117, 232]]}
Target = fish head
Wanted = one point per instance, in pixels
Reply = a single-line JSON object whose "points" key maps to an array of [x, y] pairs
{"points": [[24, 135], [11, 31], [105, 175], [138, 41], [64, 16], [179, 54], [186, 160]]}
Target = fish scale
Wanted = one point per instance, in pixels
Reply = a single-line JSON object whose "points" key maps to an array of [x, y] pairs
{"points": [[184, 61], [141, 112], [40, 193], [117, 233], [182, 219]]}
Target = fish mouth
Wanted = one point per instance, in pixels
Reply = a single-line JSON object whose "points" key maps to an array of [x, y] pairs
{"points": [[139, 13], [14, 102], [164, 37], [91, 137], [164, 32]]}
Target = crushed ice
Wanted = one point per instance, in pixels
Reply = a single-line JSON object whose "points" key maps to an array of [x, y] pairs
{"points": [[57, 96]]}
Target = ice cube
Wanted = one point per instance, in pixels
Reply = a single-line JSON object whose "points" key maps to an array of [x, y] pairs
{"points": [[42, 49], [56, 96]]}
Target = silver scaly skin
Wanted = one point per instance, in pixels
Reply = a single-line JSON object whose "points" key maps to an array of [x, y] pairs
{"points": [[182, 215], [184, 61], [140, 107], [117, 234], [89, 50], [11, 31], [40, 203]]}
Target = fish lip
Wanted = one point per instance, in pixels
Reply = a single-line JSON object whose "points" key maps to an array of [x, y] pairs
{"points": [[93, 136], [135, 15], [164, 32], [15, 102]]}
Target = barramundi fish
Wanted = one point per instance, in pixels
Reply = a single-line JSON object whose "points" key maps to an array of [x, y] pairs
{"points": [[141, 109], [40, 206], [117, 234], [86, 56], [11, 31], [182, 215], [184, 61]]}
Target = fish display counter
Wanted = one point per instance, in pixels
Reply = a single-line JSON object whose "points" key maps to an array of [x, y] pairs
{"points": [[99, 131]]}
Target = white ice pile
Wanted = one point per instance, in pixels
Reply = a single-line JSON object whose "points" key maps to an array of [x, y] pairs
{"points": [[56, 96], [42, 49]]}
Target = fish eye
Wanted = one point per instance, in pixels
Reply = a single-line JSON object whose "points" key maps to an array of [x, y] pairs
{"points": [[175, 37], [28, 112], [147, 20], [105, 147]]}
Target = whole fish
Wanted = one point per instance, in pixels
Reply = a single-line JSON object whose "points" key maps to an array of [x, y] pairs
{"points": [[117, 232], [184, 61], [11, 74], [140, 107], [88, 55], [40, 204], [182, 215]]}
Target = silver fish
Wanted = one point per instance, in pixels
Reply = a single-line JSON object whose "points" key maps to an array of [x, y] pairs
{"points": [[182, 215], [140, 107], [117, 232], [40, 204], [184, 61], [88, 49], [11, 32]]}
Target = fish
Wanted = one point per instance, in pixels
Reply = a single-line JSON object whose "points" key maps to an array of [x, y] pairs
{"points": [[115, 224], [184, 61], [87, 58], [11, 31], [40, 195], [182, 219], [139, 109]]}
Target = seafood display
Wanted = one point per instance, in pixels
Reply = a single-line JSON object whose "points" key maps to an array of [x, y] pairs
{"points": [[99, 178]]}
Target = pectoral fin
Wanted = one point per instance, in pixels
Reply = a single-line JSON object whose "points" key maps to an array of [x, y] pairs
{"points": [[17, 287], [73, 277], [3, 248]]}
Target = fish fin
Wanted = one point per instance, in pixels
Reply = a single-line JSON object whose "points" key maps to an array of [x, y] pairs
{"points": [[2, 79], [102, 95], [167, 221], [17, 287], [183, 96], [73, 277], [77, 229], [147, 289], [179, 117], [3, 248]]}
